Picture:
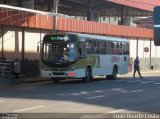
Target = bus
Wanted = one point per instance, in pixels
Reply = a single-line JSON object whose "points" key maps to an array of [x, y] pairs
{"points": [[75, 55]]}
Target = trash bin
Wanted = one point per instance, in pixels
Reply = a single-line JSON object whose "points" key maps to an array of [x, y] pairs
{"points": [[152, 67]]}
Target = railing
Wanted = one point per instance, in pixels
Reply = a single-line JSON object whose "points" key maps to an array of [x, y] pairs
{"points": [[5, 69]]}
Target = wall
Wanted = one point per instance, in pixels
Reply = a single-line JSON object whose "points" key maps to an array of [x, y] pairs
{"points": [[13, 44], [145, 59]]}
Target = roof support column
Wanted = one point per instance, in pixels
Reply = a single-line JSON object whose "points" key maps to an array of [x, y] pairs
{"points": [[23, 50], [150, 55], [133, 14], [122, 15], [56, 3], [2, 33], [137, 48], [88, 10]]}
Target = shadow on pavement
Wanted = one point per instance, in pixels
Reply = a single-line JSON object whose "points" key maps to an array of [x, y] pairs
{"points": [[117, 94]]}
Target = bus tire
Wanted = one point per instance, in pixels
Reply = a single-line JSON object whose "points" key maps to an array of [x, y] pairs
{"points": [[108, 76], [88, 76], [114, 74]]}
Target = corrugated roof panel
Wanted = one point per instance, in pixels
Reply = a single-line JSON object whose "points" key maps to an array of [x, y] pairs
{"points": [[103, 29]]}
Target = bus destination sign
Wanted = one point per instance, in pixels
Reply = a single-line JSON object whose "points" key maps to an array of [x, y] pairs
{"points": [[53, 38]]}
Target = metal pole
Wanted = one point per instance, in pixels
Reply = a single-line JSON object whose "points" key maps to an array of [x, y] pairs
{"points": [[2, 55], [122, 12], [156, 58], [88, 10], [23, 50], [137, 48], [56, 2], [109, 15], [150, 56], [54, 17], [41, 5], [40, 52], [145, 60]]}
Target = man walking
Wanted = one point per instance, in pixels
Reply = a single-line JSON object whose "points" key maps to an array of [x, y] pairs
{"points": [[16, 68], [136, 67]]}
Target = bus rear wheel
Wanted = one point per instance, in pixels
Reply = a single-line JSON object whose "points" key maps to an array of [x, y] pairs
{"points": [[108, 76], [88, 76], [114, 74]]}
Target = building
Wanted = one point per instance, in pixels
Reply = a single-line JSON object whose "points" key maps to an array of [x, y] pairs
{"points": [[22, 28]]}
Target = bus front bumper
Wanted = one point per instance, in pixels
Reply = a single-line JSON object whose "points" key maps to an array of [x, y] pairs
{"points": [[63, 74]]}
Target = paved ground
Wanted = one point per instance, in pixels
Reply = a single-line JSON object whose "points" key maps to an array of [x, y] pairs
{"points": [[101, 97]]}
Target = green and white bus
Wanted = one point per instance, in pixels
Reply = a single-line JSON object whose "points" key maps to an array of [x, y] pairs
{"points": [[75, 55]]}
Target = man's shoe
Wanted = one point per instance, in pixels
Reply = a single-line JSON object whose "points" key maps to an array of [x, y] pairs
{"points": [[141, 77]]}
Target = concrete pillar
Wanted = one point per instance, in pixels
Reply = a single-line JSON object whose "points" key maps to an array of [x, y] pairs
{"points": [[2, 50], [23, 50], [28, 4], [137, 48], [150, 55]]}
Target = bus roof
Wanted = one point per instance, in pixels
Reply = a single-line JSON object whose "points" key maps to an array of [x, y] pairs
{"points": [[100, 37], [80, 35]]}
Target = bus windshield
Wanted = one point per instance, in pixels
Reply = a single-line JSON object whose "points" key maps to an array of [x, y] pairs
{"points": [[59, 52]]}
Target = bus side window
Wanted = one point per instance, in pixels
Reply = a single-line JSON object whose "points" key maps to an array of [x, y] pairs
{"points": [[81, 49], [125, 47], [96, 46], [115, 48], [108, 47], [120, 48], [102, 47], [88, 46]]}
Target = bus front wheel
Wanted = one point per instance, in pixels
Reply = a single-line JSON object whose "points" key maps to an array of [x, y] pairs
{"points": [[88, 76]]}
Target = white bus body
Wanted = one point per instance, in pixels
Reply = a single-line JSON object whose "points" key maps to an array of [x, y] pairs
{"points": [[74, 55]]}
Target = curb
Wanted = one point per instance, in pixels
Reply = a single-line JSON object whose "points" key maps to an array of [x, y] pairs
{"points": [[147, 72], [12, 82]]}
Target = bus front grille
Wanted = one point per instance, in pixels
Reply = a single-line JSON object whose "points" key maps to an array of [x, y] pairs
{"points": [[58, 73]]}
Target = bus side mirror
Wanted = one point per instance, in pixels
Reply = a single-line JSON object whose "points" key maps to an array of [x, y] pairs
{"points": [[37, 48]]}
